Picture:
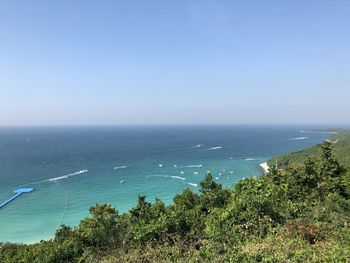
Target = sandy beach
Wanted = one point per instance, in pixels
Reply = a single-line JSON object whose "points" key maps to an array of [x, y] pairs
{"points": [[265, 167]]}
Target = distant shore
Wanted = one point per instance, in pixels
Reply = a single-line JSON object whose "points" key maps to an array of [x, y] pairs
{"points": [[265, 167]]}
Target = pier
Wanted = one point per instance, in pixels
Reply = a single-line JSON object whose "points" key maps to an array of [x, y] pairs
{"points": [[17, 193]]}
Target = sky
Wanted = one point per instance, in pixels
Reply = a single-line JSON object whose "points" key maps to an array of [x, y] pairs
{"points": [[174, 62]]}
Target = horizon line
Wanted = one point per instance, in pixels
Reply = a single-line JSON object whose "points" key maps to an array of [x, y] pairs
{"points": [[169, 125]]}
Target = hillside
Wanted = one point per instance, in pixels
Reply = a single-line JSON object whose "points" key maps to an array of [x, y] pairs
{"points": [[340, 148], [296, 215]]}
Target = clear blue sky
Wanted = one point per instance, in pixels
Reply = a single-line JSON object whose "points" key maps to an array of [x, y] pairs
{"points": [[174, 62]]}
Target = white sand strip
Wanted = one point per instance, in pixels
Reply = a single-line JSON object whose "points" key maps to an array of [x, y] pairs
{"points": [[265, 167]]}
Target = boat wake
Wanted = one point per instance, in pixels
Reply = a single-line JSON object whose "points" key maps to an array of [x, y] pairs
{"points": [[214, 148], [169, 176], [66, 176], [194, 166], [120, 167], [57, 178], [177, 177], [54, 179], [300, 138]]}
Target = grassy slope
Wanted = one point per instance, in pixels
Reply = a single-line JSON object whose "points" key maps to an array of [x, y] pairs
{"points": [[341, 149]]}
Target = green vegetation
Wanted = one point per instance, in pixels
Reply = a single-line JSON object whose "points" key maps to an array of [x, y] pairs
{"points": [[340, 148], [299, 214]]}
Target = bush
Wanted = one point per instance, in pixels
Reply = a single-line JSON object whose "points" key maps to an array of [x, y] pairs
{"points": [[304, 229]]}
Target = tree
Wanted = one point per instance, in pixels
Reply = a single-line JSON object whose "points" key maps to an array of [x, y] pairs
{"points": [[331, 167], [208, 185], [101, 228], [142, 210]]}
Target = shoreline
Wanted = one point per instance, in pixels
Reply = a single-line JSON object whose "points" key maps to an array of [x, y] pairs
{"points": [[72, 217], [264, 167]]}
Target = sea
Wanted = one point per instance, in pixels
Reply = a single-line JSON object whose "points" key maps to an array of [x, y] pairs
{"points": [[73, 168]]}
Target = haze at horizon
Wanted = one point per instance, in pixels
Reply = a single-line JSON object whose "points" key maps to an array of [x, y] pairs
{"points": [[183, 62]]}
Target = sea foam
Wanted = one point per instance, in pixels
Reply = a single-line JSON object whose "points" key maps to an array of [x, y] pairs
{"points": [[300, 138], [177, 177], [169, 176], [194, 166], [120, 167], [215, 148]]}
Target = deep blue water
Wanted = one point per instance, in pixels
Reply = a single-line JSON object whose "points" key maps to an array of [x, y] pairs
{"points": [[72, 168]]}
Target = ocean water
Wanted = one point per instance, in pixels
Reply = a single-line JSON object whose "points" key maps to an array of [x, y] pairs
{"points": [[72, 168]]}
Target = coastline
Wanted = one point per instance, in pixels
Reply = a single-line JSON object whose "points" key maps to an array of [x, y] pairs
{"points": [[264, 167], [194, 162]]}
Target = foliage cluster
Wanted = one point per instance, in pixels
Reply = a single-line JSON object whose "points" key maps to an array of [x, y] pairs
{"points": [[300, 214], [340, 149]]}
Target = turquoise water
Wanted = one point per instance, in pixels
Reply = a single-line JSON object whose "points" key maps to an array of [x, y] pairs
{"points": [[74, 168]]}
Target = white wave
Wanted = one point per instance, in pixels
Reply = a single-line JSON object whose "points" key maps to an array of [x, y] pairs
{"points": [[168, 176], [194, 166], [57, 178], [231, 172], [120, 167], [192, 184], [220, 174], [182, 172], [250, 159], [175, 165], [300, 138], [177, 177], [215, 148], [217, 178], [195, 172], [66, 176], [160, 165], [197, 146], [79, 172]]}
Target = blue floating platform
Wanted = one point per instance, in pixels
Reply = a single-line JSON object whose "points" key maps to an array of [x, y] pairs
{"points": [[17, 193], [24, 190]]}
